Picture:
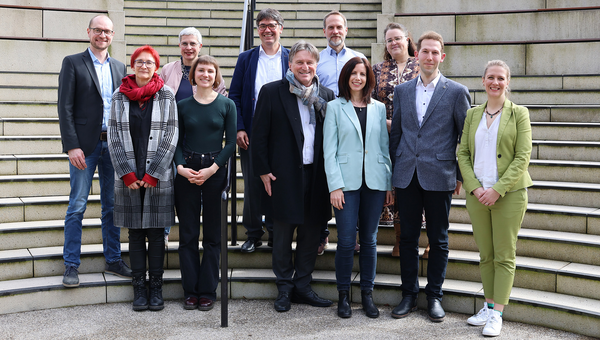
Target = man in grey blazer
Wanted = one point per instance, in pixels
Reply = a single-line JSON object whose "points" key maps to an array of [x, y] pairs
{"points": [[429, 113], [86, 83]]}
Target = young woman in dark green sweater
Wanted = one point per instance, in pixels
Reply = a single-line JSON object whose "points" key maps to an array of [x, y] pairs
{"points": [[201, 174]]}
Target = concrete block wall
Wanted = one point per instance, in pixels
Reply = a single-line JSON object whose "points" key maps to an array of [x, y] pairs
{"points": [[52, 29]]}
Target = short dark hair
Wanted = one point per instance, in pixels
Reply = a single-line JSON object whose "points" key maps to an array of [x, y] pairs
{"points": [[206, 60], [269, 13], [409, 39], [345, 79]]}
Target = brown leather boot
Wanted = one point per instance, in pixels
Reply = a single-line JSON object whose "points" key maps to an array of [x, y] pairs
{"points": [[396, 250]]}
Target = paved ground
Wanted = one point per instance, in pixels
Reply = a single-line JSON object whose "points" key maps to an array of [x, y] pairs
{"points": [[248, 319]]}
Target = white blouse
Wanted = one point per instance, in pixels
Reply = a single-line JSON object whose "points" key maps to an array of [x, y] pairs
{"points": [[485, 166]]}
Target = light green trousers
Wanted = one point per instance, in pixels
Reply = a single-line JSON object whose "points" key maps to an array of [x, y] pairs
{"points": [[495, 230]]}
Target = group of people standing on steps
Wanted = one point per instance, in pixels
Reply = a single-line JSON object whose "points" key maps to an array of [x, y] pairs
{"points": [[315, 131]]}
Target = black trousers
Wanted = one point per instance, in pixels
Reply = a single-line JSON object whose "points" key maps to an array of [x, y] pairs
{"points": [[411, 202], [155, 253], [199, 279], [296, 273], [253, 188]]}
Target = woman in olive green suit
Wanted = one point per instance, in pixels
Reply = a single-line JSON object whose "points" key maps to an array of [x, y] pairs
{"points": [[493, 158]]}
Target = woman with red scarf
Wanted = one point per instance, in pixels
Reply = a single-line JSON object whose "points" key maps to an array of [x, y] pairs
{"points": [[142, 136]]}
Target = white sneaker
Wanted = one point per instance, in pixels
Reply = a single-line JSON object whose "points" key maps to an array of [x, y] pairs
{"points": [[481, 317], [494, 324]]}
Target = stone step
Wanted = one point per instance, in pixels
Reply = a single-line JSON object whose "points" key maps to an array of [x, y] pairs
{"points": [[444, 6], [565, 113], [28, 93], [564, 171], [28, 145], [538, 82], [531, 273], [44, 79], [566, 150], [54, 207], [568, 219], [39, 185], [23, 109], [540, 244], [528, 26], [29, 127], [566, 131], [554, 310], [217, 5], [544, 97]]}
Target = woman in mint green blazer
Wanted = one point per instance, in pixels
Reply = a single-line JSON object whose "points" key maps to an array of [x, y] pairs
{"points": [[493, 158], [359, 174]]}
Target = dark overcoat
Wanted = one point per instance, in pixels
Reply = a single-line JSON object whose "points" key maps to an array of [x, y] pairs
{"points": [[277, 142]]}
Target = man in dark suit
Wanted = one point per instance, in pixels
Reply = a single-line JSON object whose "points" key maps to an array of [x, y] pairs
{"points": [[85, 86], [254, 68], [429, 113], [288, 156]]}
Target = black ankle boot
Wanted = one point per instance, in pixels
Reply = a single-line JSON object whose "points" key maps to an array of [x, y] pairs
{"points": [[344, 310], [156, 299], [140, 294], [368, 305]]}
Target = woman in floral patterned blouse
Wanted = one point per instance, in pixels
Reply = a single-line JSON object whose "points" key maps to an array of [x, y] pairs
{"points": [[399, 65]]}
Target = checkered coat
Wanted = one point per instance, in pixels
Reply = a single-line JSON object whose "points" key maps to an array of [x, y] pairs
{"points": [[158, 211]]}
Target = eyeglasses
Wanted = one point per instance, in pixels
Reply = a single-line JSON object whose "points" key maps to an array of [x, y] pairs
{"points": [[396, 39], [140, 63], [192, 44], [98, 31], [271, 27]]}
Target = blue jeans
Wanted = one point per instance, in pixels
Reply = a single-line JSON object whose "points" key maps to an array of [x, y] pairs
{"points": [[363, 206], [81, 183]]}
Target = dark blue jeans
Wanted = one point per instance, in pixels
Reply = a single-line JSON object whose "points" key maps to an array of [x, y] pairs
{"points": [[363, 206], [81, 182]]}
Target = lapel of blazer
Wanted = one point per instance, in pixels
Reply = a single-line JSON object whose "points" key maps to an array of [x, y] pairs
{"points": [[371, 120], [87, 61], [439, 91], [290, 104], [348, 109], [253, 66], [116, 77], [410, 97], [507, 112], [475, 120]]}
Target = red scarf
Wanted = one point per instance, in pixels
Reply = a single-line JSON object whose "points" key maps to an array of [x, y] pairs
{"points": [[140, 94]]}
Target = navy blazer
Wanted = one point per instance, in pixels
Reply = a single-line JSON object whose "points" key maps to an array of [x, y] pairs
{"points": [[80, 105], [241, 90], [429, 149]]}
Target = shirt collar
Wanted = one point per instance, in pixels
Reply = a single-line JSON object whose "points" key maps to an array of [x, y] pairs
{"points": [[95, 60], [434, 82], [331, 51], [262, 52]]}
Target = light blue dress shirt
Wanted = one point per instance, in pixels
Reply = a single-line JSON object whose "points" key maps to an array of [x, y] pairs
{"points": [[106, 86], [331, 64]]}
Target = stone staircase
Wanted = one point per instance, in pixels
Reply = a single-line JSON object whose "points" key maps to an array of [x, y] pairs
{"points": [[550, 52]]}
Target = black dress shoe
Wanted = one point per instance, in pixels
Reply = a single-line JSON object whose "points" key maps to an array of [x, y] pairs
{"points": [[407, 305], [250, 245], [344, 310], [434, 310], [282, 303], [368, 305], [310, 298]]}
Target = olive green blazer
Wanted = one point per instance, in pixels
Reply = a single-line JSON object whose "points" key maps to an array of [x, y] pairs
{"points": [[513, 148]]}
